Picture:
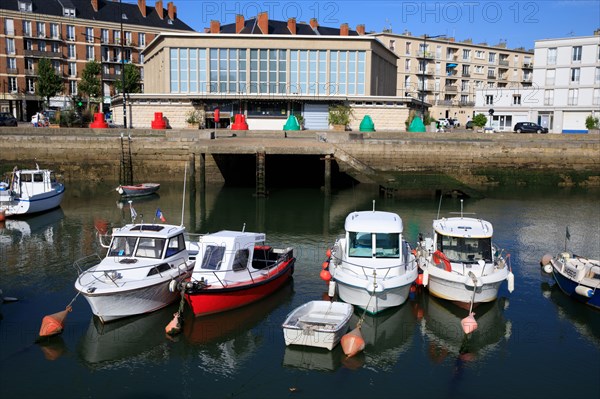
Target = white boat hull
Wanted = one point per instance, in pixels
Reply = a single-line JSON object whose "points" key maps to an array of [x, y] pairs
{"points": [[319, 324], [37, 203], [110, 306]]}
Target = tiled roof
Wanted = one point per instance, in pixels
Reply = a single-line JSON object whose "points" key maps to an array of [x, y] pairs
{"points": [[108, 11], [281, 28]]}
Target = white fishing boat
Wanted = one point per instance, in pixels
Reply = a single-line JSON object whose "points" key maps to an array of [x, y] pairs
{"points": [[372, 265], [319, 324], [460, 263], [27, 191], [134, 277]]}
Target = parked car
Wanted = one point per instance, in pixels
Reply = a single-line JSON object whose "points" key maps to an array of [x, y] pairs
{"points": [[529, 127], [443, 122], [7, 119], [470, 125]]}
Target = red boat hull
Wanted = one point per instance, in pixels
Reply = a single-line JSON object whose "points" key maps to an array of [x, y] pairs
{"points": [[214, 300]]}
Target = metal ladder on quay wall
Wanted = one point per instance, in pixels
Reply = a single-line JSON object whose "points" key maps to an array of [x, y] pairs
{"points": [[261, 189], [126, 166]]}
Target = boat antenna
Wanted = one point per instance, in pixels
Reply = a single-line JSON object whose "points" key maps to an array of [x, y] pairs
{"points": [[373, 205], [183, 196], [244, 227], [461, 207], [439, 206]]}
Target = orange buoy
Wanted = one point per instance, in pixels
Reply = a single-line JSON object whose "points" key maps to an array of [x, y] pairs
{"points": [[174, 326], [101, 225], [2, 216], [325, 265], [328, 253], [439, 257], [353, 342], [419, 280], [54, 324], [469, 324], [325, 275]]}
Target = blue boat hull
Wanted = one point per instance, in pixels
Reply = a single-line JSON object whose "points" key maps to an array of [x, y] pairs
{"points": [[568, 287]]}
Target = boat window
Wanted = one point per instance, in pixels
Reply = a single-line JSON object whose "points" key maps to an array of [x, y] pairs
{"points": [[387, 245], [26, 177], [360, 245], [468, 250], [150, 248], [38, 177], [159, 269], [176, 245], [122, 246], [240, 262], [213, 257]]}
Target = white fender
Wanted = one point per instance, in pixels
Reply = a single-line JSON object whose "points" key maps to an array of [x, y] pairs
{"points": [[425, 277], [510, 279], [173, 286], [584, 291], [331, 291]]}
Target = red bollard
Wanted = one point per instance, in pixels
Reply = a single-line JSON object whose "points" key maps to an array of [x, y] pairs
{"points": [[240, 123], [99, 121], [159, 121]]}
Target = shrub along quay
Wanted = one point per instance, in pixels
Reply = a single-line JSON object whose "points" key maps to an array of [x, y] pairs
{"points": [[456, 160]]}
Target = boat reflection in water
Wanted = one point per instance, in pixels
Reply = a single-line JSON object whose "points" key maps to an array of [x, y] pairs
{"points": [[233, 341], [582, 317], [131, 340], [35, 228], [310, 358], [441, 325]]}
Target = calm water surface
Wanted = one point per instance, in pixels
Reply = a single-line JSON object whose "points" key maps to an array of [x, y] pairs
{"points": [[532, 343]]}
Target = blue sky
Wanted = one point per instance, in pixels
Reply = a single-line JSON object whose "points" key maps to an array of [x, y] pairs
{"points": [[519, 23]]}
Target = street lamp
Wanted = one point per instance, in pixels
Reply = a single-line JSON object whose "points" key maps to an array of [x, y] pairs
{"points": [[425, 37], [123, 67]]}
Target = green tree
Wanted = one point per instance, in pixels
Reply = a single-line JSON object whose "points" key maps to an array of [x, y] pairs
{"points": [[591, 122], [480, 120], [90, 85], [132, 80], [49, 83]]}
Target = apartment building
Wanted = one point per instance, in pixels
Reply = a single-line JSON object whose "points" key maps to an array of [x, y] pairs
{"points": [[267, 70], [446, 73], [70, 33], [565, 91]]}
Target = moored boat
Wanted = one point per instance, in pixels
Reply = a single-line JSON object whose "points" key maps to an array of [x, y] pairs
{"points": [[138, 190], [28, 191], [142, 261], [235, 268], [319, 324], [460, 263], [577, 276], [372, 265]]}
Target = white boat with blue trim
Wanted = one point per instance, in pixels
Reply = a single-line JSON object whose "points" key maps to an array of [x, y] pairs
{"points": [[28, 191]]}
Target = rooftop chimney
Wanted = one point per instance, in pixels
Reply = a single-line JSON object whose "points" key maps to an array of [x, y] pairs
{"points": [[263, 22], [360, 29], [292, 25], [239, 23], [215, 26], [344, 29], [142, 7], [95, 5], [159, 9], [172, 10], [313, 23]]}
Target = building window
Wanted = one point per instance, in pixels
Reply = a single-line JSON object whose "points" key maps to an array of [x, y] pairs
{"points": [[27, 28], [576, 53], [516, 99], [492, 73], [10, 46], [479, 69], [480, 54], [55, 48], [464, 85], [29, 64], [492, 58], [466, 54], [597, 76], [9, 27], [12, 84], [89, 52], [72, 69], [25, 6], [12, 63], [73, 87], [71, 32], [42, 46], [68, 12], [465, 70], [54, 31], [30, 82], [104, 35], [596, 98], [489, 99], [549, 97], [575, 75], [141, 39], [89, 35], [41, 29], [573, 96], [117, 36], [407, 65], [552, 56], [128, 40], [550, 73], [407, 48], [71, 51], [392, 45]]}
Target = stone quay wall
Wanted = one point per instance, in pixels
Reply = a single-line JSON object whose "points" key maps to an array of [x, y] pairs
{"points": [[95, 154]]}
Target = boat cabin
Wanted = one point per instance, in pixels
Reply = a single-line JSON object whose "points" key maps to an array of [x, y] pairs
{"points": [[465, 240], [147, 241], [31, 182], [235, 251], [374, 235]]}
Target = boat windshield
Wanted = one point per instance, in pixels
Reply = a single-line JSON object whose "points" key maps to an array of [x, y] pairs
{"points": [[213, 257], [463, 249], [122, 246], [150, 248], [387, 245]]}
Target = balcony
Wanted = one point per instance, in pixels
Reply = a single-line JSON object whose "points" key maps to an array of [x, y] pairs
{"points": [[466, 74], [466, 103], [491, 76], [503, 63], [425, 54], [30, 72], [12, 71], [111, 76], [450, 89], [42, 54], [502, 77], [528, 65]]}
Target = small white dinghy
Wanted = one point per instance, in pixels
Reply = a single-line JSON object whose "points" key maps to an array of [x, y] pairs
{"points": [[319, 324]]}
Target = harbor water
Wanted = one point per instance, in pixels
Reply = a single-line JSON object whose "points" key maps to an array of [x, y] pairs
{"points": [[532, 343]]}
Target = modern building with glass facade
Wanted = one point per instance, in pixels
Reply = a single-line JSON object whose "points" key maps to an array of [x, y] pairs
{"points": [[268, 70]]}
